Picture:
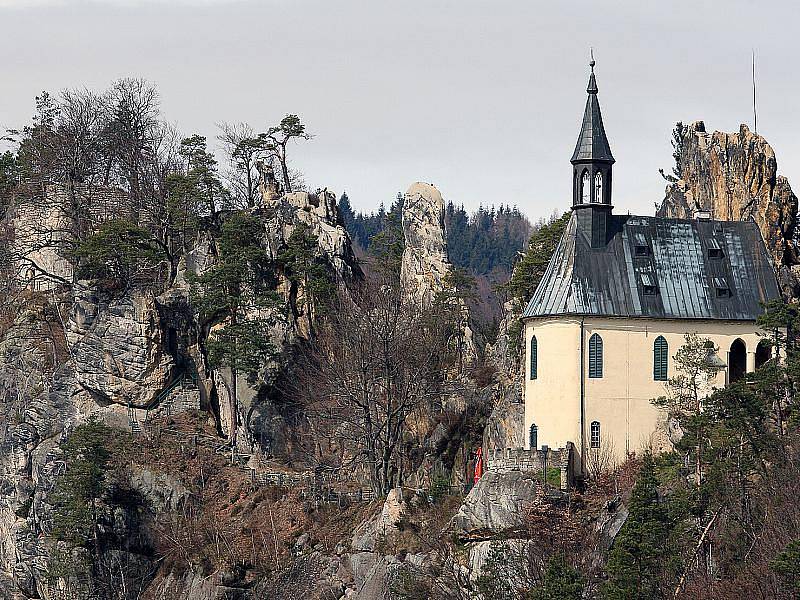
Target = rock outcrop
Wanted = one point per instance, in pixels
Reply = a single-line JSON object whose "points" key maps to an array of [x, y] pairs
{"points": [[425, 266], [44, 223], [119, 347], [734, 176], [505, 426], [319, 213], [496, 504]]}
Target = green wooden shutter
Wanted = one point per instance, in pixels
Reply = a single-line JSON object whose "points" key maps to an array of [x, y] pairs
{"points": [[595, 356], [660, 353], [534, 358]]}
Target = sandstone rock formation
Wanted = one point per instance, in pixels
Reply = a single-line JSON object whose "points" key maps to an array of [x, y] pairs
{"points": [[119, 347], [734, 176], [505, 427], [425, 265], [495, 505]]}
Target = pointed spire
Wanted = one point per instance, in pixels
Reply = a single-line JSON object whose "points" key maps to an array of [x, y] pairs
{"points": [[592, 141]]}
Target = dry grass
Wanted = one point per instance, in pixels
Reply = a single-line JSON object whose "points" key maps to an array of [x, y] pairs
{"points": [[228, 523]]}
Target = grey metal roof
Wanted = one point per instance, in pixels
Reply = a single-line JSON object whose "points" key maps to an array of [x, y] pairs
{"points": [[592, 141], [609, 281]]}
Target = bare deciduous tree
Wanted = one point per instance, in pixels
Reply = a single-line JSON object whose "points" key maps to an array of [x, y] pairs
{"points": [[601, 460], [377, 370]]}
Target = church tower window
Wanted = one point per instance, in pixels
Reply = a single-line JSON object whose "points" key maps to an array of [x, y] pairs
{"points": [[585, 188], [533, 436], [534, 358], [598, 187], [595, 356], [660, 358]]}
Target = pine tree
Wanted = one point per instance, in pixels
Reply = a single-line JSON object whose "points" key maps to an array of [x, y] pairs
{"points": [[231, 296], [561, 582], [306, 268], [81, 488], [530, 269], [346, 210], [636, 561], [117, 254], [787, 565]]}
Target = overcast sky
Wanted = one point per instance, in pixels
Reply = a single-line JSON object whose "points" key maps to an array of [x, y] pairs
{"points": [[481, 98]]}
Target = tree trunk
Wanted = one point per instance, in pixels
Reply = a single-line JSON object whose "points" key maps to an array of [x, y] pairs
{"points": [[285, 168], [232, 408]]}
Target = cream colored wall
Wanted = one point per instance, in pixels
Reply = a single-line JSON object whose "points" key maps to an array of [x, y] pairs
{"points": [[558, 381], [620, 400]]}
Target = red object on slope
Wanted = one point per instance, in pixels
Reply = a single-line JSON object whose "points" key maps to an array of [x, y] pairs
{"points": [[478, 464]]}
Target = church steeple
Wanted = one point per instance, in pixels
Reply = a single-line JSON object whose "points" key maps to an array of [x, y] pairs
{"points": [[591, 171]]}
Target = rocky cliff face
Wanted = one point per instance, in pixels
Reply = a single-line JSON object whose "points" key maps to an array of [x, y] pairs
{"points": [[116, 357], [319, 212], [119, 348], [425, 269], [735, 177]]}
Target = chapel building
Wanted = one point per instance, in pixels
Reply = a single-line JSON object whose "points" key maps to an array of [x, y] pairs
{"points": [[616, 301]]}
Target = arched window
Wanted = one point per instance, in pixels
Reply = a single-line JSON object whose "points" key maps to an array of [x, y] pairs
{"points": [[660, 359], [594, 434], [737, 361], [595, 356], [585, 189], [598, 187], [534, 357], [533, 436], [763, 353]]}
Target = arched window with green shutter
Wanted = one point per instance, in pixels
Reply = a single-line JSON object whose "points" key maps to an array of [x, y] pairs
{"points": [[660, 359], [594, 434], [595, 356], [534, 357]]}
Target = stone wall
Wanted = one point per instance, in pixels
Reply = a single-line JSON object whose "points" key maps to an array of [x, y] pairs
{"points": [[504, 460], [46, 222]]}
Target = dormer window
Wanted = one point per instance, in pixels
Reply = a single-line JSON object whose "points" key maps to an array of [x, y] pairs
{"points": [[722, 287], [714, 249], [649, 284], [598, 187], [640, 245], [585, 189]]}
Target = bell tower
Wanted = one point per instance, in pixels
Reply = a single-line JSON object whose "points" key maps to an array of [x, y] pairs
{"points": [[591, 172]]}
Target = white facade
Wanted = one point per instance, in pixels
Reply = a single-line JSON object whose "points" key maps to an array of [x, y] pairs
{"points": [[561, 399]]}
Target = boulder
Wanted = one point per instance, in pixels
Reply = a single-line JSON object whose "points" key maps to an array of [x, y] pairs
{"points": [[479, 554], [496, 504], [161, 492]]}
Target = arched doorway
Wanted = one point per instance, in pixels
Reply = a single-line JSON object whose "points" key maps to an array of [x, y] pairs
{"points": [[737, 361], [763, 353], [533, 437]]}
